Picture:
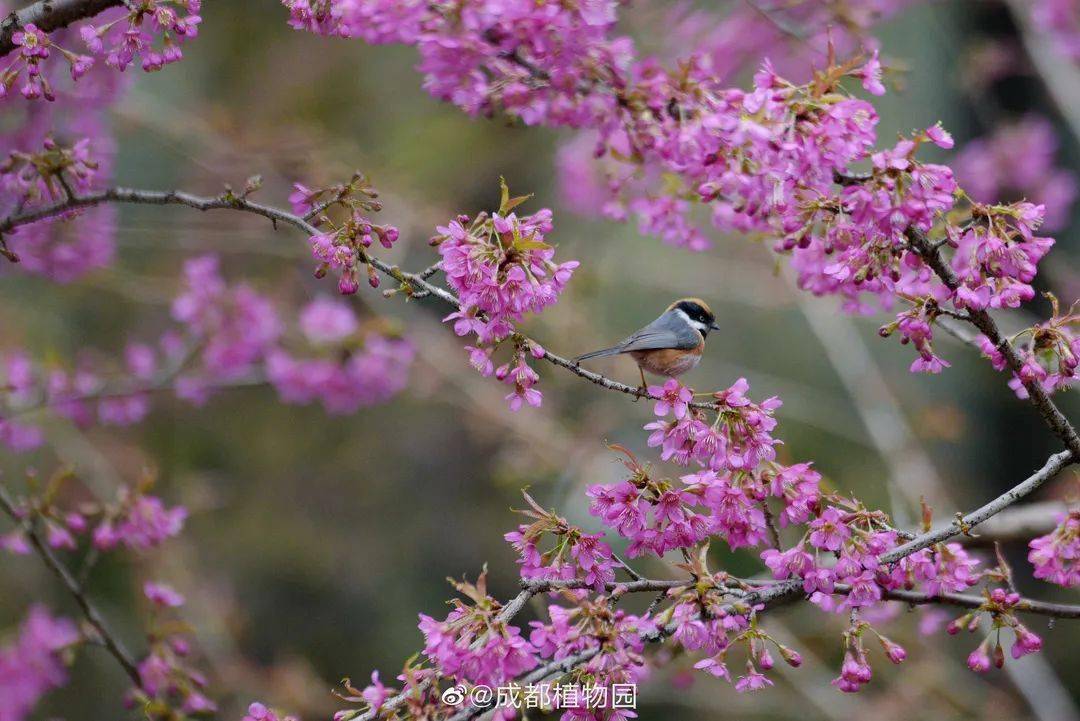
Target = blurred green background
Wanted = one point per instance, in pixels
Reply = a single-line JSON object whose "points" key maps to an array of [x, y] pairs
{"points": [[314, 541]]}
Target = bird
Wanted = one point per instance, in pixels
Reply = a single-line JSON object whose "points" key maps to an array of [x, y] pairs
{"points": [[669, 346]]}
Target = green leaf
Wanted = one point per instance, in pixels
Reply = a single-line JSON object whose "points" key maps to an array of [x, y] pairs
{"points": [[530, 244], [506, 203]]}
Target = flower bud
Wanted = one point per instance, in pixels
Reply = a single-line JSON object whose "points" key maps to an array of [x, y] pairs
{"points": [[791, 656], [894, 651]]}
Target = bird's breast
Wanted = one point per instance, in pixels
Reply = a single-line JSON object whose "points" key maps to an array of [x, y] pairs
{"points": [[669, 362]]}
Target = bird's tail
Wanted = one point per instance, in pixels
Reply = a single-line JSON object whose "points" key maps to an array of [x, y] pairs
{"points": [[614, 350]]}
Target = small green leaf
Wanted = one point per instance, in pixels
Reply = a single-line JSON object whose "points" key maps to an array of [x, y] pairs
{"points": [[506, 203], [530, 244]]}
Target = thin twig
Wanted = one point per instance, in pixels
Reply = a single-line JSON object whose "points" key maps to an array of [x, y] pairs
{"points": [[641, 585], [231, 202], [964, 600], [626, 567], [1020, 523], [964, 524], [112, 644], [770, 524]]}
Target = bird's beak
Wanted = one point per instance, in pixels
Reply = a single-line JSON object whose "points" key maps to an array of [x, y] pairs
{"points": [[714, 325]]}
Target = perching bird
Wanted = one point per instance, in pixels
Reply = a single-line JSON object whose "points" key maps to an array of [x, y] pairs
{"points": [[670, 345]]}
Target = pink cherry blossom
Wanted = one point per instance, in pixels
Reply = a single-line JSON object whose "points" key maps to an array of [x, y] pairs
{"points": [[1056, 556], [325, 320], [31, 664]]}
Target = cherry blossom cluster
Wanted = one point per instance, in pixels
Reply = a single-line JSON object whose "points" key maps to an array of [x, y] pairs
{"points": [[49, 151], [353, 367], [376, 22], [473, 643], [68, 245], [999, 607], [225, 334], [486, 56], [1056, 556], [137, 31], [25, 67], [167, 685], [725, 498], [839, 557], [151, 30], [259, 712], [501, 268], [562, 63], [135, 520], [775, 159], [343, 245], [842, 539], [710, 619], [1049, 351], [33, 177], [234, 326], [794, 35], [617, 636], [855, 672], [35, 661], [575, 554]]}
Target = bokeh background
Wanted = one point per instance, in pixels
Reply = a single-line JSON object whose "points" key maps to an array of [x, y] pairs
{"points": [[315, 540]]}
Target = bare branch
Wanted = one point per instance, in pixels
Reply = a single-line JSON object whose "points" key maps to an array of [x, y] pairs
{"points": [[1020, 523], [49, 15], [641, 585], [964, 600], [964, 524]]}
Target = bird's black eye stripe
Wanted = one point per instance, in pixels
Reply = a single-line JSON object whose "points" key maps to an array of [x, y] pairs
{"points": [[694, 311]]}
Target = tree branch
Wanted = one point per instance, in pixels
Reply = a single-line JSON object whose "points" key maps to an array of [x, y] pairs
{"points": [[1020, 523], [965, 600], [112, 644], [982, 320], [770, 595], [416, 281], [964, 524], [49, 15]]}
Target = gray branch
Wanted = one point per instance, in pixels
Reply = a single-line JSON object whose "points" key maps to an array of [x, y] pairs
{"points": [[49, 15], [1020, 523], [964, 524], [965, 600], [415, 281], [112, 644]]}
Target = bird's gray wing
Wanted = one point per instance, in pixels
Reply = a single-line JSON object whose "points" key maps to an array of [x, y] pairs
{"points": [[667, 331]]}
